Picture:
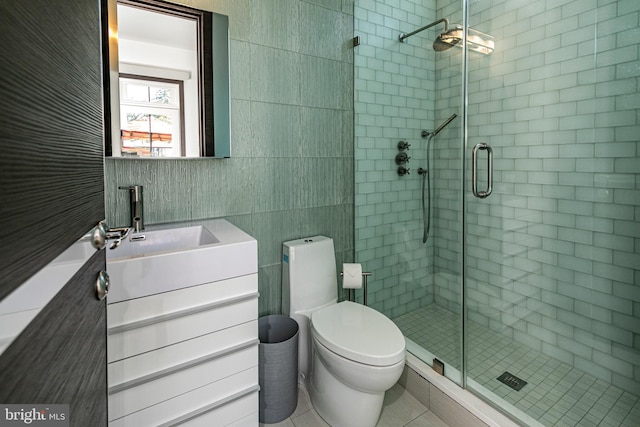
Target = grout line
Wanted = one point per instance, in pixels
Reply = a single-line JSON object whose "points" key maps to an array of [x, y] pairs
{"points": [[570, 389]]}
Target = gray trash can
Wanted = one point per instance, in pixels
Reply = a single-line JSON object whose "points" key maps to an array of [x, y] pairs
{"points": [[278, 367]]}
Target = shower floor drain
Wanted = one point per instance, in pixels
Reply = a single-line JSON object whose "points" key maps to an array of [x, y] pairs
{"points": [[512, 381]]}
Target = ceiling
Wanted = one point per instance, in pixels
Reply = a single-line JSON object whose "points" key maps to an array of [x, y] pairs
{"points": [[155, 27]]}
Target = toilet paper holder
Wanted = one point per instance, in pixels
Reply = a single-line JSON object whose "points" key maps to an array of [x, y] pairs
{"points": [[351, 297]]}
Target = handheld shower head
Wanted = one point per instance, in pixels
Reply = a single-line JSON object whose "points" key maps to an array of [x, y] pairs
{"points": [[444, 124], [426, 180]]}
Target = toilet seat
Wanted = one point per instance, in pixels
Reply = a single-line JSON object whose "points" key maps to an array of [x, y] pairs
{"points": [[359, 333]]}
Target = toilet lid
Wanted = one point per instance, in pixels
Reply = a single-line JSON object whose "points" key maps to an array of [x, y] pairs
{"points": [[358, 333]]}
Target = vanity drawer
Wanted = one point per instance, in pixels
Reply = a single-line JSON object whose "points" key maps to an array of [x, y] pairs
{"points": [[233, 399], [137, 310], [229, 414], [146, 365], [165, 385], [167, 329]]}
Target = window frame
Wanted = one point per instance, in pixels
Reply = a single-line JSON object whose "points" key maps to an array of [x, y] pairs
{"points": [[180, 105]]}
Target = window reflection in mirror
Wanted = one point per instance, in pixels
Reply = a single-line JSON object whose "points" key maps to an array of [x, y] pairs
{"points": [[168, 70], [152, 118]]}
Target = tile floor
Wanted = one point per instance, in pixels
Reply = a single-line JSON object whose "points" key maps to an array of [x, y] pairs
{"points": [[556, 394], [400, 409]]}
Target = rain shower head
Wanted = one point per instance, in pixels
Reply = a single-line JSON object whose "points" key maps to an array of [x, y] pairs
{"points": [[476, 41], [445, 41]]}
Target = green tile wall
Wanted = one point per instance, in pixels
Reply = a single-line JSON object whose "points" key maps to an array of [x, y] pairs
{"points": [[394, 100], [291, 171]]}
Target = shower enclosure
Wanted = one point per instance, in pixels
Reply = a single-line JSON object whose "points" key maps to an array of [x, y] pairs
{"points": [[528, 288]]}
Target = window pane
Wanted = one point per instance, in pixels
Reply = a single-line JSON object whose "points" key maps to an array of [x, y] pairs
{"points": [[150, 118], [149, 132], [160, 95], [135, 92]]}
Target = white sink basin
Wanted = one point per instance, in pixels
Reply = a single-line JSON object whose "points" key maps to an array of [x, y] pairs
{"points": [[147, 243], [172, 258]]}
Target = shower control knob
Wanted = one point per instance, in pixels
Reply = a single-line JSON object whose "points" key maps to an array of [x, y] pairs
{"points": [[402, 171], [403, 145], [402, 158]]}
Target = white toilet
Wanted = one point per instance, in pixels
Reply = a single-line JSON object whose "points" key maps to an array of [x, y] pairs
{"points": [[349, 354]]}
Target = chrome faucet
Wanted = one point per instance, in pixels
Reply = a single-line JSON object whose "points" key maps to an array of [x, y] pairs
{"points": [[135, 206]]}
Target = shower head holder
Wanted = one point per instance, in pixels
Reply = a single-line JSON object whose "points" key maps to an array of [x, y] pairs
{"points": [[404, 36]]}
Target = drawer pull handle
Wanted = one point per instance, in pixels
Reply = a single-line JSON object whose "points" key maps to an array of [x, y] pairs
{"points": [[181, 313], [181, 367], [208, 408]]}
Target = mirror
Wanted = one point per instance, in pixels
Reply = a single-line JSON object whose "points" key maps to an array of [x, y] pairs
{"points": [[167, 95]]}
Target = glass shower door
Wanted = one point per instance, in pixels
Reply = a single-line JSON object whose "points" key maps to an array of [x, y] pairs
{"points": [[397, 95], [552, 230]]}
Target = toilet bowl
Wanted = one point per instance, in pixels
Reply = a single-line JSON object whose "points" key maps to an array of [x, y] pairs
{"points": [[358, 354], [348, 354]]}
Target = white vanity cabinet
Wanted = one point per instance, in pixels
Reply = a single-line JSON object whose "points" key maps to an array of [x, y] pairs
{"points": [[187, 356]]}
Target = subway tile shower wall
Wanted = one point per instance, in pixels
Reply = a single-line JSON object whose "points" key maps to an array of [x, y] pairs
{"points": [[553, 254], [558, 104], [394, 100]]}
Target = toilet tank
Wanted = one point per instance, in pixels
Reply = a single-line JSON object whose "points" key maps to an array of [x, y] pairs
{"points": [[309, 278]]}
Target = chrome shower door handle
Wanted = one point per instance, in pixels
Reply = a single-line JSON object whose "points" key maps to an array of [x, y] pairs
{"points": [[474, 171]]}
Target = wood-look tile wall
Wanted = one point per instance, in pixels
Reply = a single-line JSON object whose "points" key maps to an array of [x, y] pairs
{"points": [[291, 170]]}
